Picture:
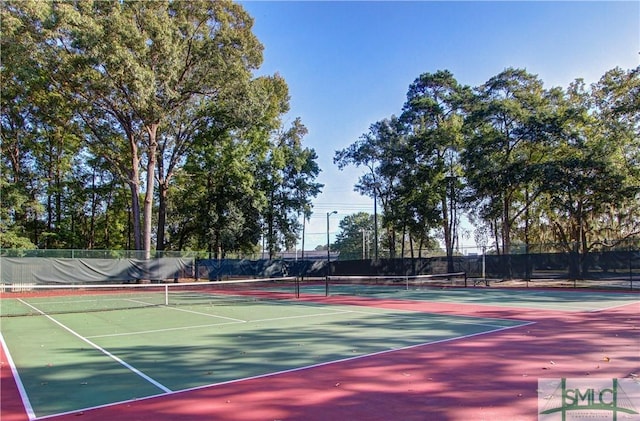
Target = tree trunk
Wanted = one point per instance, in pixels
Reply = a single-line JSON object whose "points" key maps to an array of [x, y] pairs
{"points": [[527, 264], [135, 213], [58, 200], [411, 247], [92, 216], [152, 147], [50, 197], [392, 242], [506, 238], [496, 236], [270, 227], [446, 230], [134, 185], [162, 214]]}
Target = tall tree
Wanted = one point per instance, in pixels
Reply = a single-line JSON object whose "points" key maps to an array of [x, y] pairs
{"points": [[39, 136], [219, 202], [219, 206], [616, 97], [591, 179], [354, 240], [136, 65], [381, 151], [499, 153], [288, 181], [433, 113]]}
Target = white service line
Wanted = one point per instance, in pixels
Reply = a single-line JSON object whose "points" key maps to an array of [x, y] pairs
{"points": [[205, 314], [299, 369], [99, 348], [186, 311], [614, 306], [300, 317], [169, 329], [418, 314], [142, 332]]}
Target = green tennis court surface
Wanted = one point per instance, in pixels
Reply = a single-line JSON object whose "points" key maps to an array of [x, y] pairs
{"points": [[562, 300], [69, 362]]}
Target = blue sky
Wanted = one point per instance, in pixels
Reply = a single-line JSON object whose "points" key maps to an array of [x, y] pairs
{"points": [[349, 64]]}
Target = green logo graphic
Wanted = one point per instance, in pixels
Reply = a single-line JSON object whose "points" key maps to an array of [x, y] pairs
{"points": [[586, 399]]}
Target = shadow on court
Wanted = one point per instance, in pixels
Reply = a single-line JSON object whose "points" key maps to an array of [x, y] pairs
{"points": [[490, 376], [75, 368]]}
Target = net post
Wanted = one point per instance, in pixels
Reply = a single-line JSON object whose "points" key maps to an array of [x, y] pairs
{"points": [[406, 282], [465, 279], [166, 295], [326, 286]]}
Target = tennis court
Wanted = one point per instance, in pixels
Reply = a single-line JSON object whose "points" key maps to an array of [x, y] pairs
{"points": [[83, 353], [413, 288]]}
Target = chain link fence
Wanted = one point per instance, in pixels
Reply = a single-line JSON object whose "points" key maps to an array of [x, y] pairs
{"points": [[604, 264]]}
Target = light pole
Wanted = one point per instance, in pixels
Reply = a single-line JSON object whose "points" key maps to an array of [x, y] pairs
{"points": [[328, 254], [375, 221]]}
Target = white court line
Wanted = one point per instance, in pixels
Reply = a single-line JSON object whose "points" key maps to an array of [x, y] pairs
{"points": [[614, 306], [568, 305], [49, 302], [293, 370], [461, 322], [237, 321], [411, 312], [300, 317], [142, 332], [99, 348], [206, 314], [188, 311], [23, 393], [169, 329]]}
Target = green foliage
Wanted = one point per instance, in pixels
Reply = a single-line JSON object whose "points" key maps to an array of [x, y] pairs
{"points": [[287, 179], [355, 240], [502, 148], [527, 164], [127, 121], [155, 97], [383, 152], [434, 114]]}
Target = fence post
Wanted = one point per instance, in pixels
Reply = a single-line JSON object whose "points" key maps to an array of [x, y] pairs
{"points": [[630, 268]]}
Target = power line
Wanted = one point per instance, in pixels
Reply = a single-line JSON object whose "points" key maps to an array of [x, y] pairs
{"points": [[345, 206]]}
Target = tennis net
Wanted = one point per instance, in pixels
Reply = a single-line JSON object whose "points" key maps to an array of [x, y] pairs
{"points": [[384, 285], [29, 300]]}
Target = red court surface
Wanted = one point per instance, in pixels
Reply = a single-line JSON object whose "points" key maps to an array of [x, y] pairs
{"points": [[486, 377]]}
